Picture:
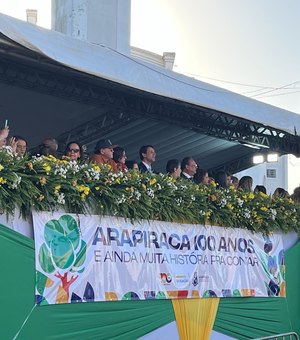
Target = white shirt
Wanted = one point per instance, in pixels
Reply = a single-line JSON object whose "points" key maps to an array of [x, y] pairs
{"points": [[147, 166], [187, 175]]}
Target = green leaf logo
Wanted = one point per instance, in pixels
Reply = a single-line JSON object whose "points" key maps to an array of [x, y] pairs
{"points": [[63, 252], [63, 247]]}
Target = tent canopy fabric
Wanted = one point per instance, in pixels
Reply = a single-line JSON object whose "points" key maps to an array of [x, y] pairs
{"points": [[106, 63], [53, 85]]}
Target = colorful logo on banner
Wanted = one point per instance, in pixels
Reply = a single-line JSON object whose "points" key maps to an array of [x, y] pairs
{"points": [[63, 253], [82, 258], [274, 267]]}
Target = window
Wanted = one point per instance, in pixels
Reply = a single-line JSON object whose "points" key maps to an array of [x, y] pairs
{"points": [[271, 173]]}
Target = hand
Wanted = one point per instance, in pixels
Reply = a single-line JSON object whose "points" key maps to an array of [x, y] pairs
{"points": [[13, 144], [4, 133]]}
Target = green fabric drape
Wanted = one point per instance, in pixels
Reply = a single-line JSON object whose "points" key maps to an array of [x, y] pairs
{"points": [[246, 318], [100, 320], [241, 318]]}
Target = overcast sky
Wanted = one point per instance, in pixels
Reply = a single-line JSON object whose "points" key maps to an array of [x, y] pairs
{"points": [[245, 42]]}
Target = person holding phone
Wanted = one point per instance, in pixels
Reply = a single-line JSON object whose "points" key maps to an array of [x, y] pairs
{"points": [[4, 133]]}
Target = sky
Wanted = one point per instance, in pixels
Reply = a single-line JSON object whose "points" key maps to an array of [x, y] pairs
{"points": [[249, 42], [249, 46]]}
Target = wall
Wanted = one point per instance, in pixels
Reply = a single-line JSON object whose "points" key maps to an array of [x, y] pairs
{"points": [[97, 21]]}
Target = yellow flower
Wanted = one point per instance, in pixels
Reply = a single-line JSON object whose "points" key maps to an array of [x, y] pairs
{"points": [[56, 189], [63, 161], [47, 168], [144, 186], [30, 166], [43, 180], [41, 197], [229, 206], [79, 187], [51, 159], [1, 167], [106, 166], [2, 180], [153, 181], [251, 195], [207, 214], [96, 167], [83, 196], [263, 208], [84, 189], [97, 188]]}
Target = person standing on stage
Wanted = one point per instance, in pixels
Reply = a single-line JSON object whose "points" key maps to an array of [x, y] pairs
{"points": [[189, 168], [147, 156]]}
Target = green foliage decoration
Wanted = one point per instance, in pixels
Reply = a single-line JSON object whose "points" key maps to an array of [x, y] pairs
{"points": [[48, 184]]}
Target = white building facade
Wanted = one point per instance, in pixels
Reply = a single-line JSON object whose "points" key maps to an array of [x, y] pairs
{"points": [[285, 173]]}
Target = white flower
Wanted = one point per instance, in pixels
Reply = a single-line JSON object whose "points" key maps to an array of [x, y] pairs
{"points": [[223, 203], [247, 213], [92, 173], [73, 167], [7, 149], [16, 182], [137, 195], [273, 213], [61, 171], [121, 199], [178, 200], [240, 202], [150, 192], [61, 198], [37, 158]]}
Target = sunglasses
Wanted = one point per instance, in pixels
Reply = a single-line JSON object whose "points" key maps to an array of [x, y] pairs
{"points": [[73, 150]]}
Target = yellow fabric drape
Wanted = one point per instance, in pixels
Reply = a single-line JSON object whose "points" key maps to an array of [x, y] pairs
{"points": [[195, 317]]}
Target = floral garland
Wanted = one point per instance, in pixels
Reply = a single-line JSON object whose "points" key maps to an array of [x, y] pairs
{"points": [[46, 183]]}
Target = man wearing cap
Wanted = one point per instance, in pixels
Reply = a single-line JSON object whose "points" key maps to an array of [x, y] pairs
{"points": [[103, 154]]}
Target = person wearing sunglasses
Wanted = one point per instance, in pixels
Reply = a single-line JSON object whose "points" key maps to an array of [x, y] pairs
{"points": [[73, 151]]}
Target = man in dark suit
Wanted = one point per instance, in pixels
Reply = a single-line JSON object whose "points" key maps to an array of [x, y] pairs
{"points": [[189, 168], [147, 156]]}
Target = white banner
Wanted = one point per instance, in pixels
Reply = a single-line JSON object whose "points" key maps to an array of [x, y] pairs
{"points": [[93, 258]]}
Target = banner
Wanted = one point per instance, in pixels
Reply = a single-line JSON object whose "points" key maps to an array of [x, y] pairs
{"points": [[83, 258]]}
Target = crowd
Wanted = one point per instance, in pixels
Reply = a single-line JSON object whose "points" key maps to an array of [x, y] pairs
{"points": [[106, 152]]}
